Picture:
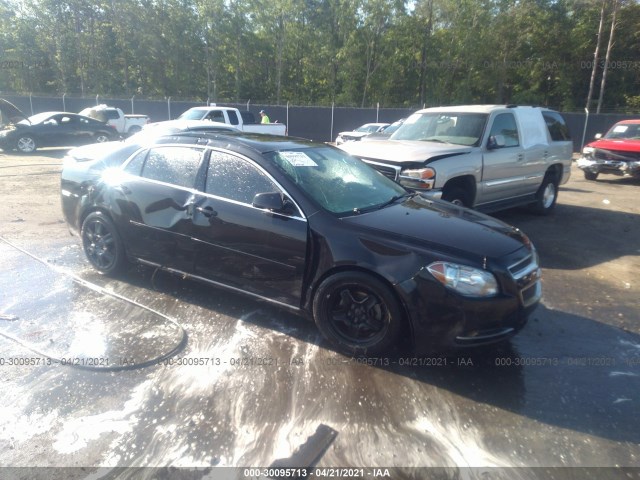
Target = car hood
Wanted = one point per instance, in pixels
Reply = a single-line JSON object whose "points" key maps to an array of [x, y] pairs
{"points": [[624, 145], [185, 125], [354, 134], [11, 112], [403, 151], [443, 227]]}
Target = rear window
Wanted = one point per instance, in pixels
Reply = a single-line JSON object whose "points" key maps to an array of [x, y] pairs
{"points": [[112, 114], [233, 117], [557, 127]]}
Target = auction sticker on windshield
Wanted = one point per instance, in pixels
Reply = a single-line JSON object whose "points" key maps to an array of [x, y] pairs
{"points": [[298, 159]]}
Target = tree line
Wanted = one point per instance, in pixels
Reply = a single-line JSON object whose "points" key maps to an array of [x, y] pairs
{"points": [[317, 52]]}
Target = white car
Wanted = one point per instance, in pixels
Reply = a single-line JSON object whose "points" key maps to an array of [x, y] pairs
{"points": [[125, 124], [358, 133]]}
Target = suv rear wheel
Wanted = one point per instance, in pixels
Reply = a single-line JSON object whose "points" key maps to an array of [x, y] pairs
{"points": [[546, 196]]}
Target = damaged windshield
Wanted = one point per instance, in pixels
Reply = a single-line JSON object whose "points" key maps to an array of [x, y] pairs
{"points": [[338, 182], [443, 127]]}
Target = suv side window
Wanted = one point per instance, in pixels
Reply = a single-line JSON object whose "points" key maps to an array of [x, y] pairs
{"points": [[505, 124], [236, 179], [557, 127], [174, 165]]}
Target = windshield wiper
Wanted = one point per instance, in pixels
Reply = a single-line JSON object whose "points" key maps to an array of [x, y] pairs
{"points": [[380, 206], [394, 199], [435, 140]]}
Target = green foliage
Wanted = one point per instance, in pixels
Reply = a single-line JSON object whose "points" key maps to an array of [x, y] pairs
{"points": [[351, 52]]}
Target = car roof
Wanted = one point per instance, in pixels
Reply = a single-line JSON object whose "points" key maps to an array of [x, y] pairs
{"points": [[632, 121], [258, 142], [478, 108]]}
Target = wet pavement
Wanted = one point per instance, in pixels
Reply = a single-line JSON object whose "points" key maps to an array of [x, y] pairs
{"points": [[207, 378]]}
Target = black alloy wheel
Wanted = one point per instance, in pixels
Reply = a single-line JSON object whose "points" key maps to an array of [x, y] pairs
{"points": [[102, 244], [358, 313]]}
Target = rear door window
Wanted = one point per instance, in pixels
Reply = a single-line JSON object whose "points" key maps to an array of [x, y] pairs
{"points": [[236, 179], [174, 165], [233, 117]]}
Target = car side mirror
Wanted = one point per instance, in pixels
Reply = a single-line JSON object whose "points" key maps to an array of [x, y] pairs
{"points": [[496, 141], [272, 201], [598, 136]]}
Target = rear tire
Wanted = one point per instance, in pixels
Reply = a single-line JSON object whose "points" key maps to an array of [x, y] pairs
{"points": [[102, 244], [133, 130], [101, 138], [547, 196], [358, 313], [590, 176]]}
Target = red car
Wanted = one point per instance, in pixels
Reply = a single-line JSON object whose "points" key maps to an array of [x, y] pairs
{"points": [[618, 152]]}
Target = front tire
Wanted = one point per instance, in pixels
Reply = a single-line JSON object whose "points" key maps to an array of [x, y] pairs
{"points": [[546, 197], [358, 313], [102, 244], [26, 144], [592, 176], [457, 196]]}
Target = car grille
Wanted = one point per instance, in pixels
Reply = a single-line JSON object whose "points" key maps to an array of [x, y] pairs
{"points": [[387, 170], [526, 274], [601, 154]]}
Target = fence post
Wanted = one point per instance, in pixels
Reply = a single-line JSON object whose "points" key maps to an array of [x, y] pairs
{"points": [[97, 96], [377, 112], [132, 111], [331, 134], [64, 106], [287, 130], [31, 103], [584, 132], [248, 102], [169, 107]]}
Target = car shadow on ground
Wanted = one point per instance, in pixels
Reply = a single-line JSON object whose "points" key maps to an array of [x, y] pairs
{"points": [[53, 152], [604, 234], [563, 370]]}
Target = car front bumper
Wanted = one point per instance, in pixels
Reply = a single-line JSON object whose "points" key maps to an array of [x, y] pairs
{"points": [[616, 167], [434, 193], [444, 320]]}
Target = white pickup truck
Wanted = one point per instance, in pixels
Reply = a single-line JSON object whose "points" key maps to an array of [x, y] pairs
{"points": [[487, 157], [124, 124], [242, 120]]}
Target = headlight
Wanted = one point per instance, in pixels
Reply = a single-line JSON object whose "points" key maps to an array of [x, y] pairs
{"points": [[423, 178], [588, 151], [467, 281]]}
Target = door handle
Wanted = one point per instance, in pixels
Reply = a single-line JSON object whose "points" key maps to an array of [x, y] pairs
{"points": [[207, 211], [520, 157]]}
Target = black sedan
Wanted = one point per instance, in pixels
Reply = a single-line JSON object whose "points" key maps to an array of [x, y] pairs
{"points": [[308, 228], [50, 129]]}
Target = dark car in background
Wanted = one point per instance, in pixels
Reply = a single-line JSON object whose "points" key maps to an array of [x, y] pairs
{"points": [[306, 227], [49, 129]]}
